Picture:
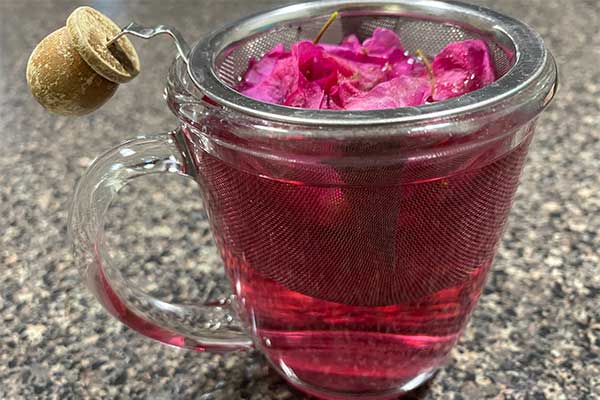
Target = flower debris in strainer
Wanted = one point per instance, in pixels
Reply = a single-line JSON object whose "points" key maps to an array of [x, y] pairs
{"points": [[375, 74]]}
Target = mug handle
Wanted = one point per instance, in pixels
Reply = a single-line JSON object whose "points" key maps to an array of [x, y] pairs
{"points": [[211, 327]]}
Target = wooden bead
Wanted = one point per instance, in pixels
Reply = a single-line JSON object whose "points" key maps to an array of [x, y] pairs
{"points": [[90, 31]]}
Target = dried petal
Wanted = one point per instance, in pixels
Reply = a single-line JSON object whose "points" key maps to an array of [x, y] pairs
{"points": [[343, 93], [276, 86], [375, 75], [401, 64], [315, 65], [383, 42], [260, 70], [350, 42], [306, 95], [399, 92], [462, 67], [374, 62]]}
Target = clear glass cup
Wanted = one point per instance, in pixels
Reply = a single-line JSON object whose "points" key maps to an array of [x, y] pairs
{"points": [[356, 244]]}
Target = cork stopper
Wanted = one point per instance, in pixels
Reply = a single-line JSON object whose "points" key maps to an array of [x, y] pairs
{"points": [[90, 31], [72, 71]]}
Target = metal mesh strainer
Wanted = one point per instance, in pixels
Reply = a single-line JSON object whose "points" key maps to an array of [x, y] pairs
{"points": [[217, 62], [362, 219]]}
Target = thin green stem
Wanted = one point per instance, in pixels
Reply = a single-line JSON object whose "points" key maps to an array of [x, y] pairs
{"points": [[326, 26], [428, 67]]}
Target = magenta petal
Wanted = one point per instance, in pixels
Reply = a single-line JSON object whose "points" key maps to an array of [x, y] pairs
{"points": [[382, 58], [376, 75], [351, 55], [363, 75], [462, 67], [315, 65], [352, 42], [366, 71], [305, 50], [308, 95], [343, 93], [260, 70], [400, 64], [399, 92], [382, 42], [277, 85]]}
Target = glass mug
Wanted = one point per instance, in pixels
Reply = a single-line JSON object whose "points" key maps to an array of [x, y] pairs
{"points": [[356, 244]]}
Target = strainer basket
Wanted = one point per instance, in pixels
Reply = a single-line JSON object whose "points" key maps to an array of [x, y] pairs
{"points": [[217, 63]]}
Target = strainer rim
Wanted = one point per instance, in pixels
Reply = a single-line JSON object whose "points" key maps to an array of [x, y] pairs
{"points": [[532, 60]]}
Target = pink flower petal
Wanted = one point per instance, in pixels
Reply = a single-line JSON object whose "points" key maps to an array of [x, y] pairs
{"points": [[350, 43], [401, 65], [462, 67], [399, 92], [382, 43], [307, 95], [373, 63], [342, 93], [260, 70], [276, 86], [378, 74], [315, 65]]}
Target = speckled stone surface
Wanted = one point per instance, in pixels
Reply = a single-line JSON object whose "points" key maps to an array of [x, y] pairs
{"points": [[535, 334]]}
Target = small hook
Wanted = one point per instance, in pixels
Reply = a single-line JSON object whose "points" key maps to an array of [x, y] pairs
{"points": [[146, 32]]}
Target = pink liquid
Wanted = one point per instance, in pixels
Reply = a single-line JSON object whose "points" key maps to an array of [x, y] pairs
{"points": [[351, 348], [358, 289]]}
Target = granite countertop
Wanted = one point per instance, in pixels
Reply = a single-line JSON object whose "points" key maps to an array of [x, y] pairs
{"points": [[535, 334]]}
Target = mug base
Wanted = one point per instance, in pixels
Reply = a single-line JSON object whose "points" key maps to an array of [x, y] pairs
{"points": [[415, 389]]}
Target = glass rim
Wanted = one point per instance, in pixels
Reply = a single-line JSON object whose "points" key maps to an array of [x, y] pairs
{"points": [[533, 64]]}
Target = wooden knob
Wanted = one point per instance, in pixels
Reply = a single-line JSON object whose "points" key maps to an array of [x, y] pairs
{"points": [[72, 71]]}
